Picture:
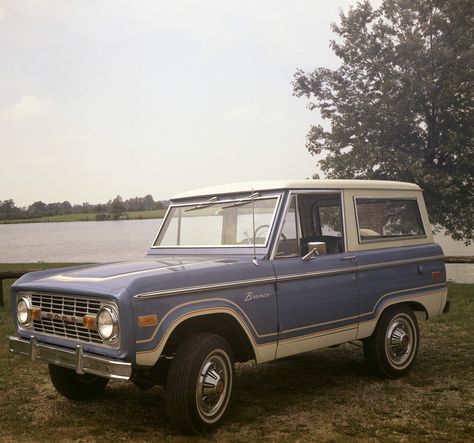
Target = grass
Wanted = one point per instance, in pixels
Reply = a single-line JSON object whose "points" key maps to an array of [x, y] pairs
{"points": [[17, 267], [88, 216], [327, 395]]}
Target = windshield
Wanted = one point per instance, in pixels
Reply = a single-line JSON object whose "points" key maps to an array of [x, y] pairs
{"points": [[212, 224]]}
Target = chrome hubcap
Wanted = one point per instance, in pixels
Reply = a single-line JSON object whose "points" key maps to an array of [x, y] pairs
{"points": [[400, 341], [213, 386]]}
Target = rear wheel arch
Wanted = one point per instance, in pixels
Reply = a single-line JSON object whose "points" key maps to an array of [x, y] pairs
{"points": [[417, 307]]}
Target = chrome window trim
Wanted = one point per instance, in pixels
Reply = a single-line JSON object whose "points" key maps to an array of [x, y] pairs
{"points": [[103, 302], [282, 222], [298, 224], [344, 221], [385, 239], [235, 200], [161, 226]]}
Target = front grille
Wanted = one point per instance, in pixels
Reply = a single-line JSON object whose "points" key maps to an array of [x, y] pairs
{"points": [[66, 305]]}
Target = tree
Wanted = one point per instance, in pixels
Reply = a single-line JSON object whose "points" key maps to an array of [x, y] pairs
{"points": [[117, 207], [400, 106], [9, 210], [148, 203], [37, 209]]}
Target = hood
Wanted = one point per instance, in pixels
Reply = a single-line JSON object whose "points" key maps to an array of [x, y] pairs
{"points": [[137, 276], [128, 270]]}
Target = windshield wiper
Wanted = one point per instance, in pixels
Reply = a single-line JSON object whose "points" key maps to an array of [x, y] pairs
{"points": [[202, 205], [243, 201]]}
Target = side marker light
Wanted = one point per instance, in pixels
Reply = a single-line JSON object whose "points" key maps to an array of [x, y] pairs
{"points": [[147, 320]]}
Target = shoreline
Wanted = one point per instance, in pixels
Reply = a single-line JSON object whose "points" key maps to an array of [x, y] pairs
{"points": [[88, 217]]}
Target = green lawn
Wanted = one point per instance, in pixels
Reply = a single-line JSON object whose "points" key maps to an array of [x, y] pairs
{"points": [[130, 215], [327, 395], [18, 267]]}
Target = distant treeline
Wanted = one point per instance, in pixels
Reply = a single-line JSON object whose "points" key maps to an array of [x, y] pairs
{"points": [[110, 210]]}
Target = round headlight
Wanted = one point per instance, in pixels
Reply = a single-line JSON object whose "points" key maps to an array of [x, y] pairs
{"points": [[23, 313], [107, 323]]}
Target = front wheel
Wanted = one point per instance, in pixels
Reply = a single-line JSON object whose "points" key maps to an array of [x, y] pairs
{"points": [[199, 383], [391, 350], [75, 386]]}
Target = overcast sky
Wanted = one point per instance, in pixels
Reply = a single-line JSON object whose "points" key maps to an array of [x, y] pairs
{"points": [[99, 98]]}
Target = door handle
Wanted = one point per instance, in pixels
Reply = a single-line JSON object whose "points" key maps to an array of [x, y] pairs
{"points": [[349, 257]]}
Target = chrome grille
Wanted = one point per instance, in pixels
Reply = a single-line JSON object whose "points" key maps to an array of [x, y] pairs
{"points": [[70, 306]]}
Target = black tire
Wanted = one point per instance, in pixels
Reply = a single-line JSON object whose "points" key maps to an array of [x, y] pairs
{"points": [[201, 358], [75, 386], [391, 350]]}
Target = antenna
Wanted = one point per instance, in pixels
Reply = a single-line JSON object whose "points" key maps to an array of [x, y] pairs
{"points": [[255, 262]]}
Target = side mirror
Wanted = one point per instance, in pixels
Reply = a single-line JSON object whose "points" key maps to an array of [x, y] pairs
{"points": [[315, 248]]}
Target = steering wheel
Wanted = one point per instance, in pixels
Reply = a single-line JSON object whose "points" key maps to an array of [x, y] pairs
{"points": [[260, 227], [248, 240]]}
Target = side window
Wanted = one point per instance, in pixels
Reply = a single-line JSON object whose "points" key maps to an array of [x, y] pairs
{"points": [[330, 220], [381, 219], [288, 243], [320, 216]]}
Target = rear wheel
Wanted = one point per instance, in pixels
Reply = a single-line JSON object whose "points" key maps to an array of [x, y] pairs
{"points": [[76, 386], [391, 350], [200, 382]]}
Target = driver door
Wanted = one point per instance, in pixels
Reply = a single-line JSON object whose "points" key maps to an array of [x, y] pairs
{"points": [[318, 303]]}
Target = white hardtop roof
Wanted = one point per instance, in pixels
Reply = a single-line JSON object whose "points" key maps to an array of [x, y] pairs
{"points": [[235, 188]]}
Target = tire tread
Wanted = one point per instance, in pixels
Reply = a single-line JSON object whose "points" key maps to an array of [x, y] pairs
{"points": [[69, 384], [181, 381], [374, 346]]}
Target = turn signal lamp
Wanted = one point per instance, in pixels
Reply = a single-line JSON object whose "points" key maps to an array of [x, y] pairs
{"points": [[35, 313], [89, 321]]}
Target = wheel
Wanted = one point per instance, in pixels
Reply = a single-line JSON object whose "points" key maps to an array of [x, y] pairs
{"points": [[75, 386], [391, 350], [199, 383]]}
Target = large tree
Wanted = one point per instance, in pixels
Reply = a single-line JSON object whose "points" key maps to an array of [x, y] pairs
{"points": [[400, 106]]}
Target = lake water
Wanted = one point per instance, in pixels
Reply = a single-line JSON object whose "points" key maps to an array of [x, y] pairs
{"points": [[107, 241], [102, 241]]}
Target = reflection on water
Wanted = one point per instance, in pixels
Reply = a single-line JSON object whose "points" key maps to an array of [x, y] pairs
{"points": [[129, 240]]}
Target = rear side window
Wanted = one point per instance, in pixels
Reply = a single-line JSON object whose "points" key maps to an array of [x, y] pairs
{"points": [[385, 219]]}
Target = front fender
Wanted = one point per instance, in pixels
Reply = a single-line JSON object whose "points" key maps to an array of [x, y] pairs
{"points": [[263, 343]]}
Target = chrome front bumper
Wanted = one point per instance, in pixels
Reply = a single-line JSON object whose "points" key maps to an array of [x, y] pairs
{"points": [[77, 360]]}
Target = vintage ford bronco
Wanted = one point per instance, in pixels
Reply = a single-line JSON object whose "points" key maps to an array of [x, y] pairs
{"points": [[246, 271]]}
